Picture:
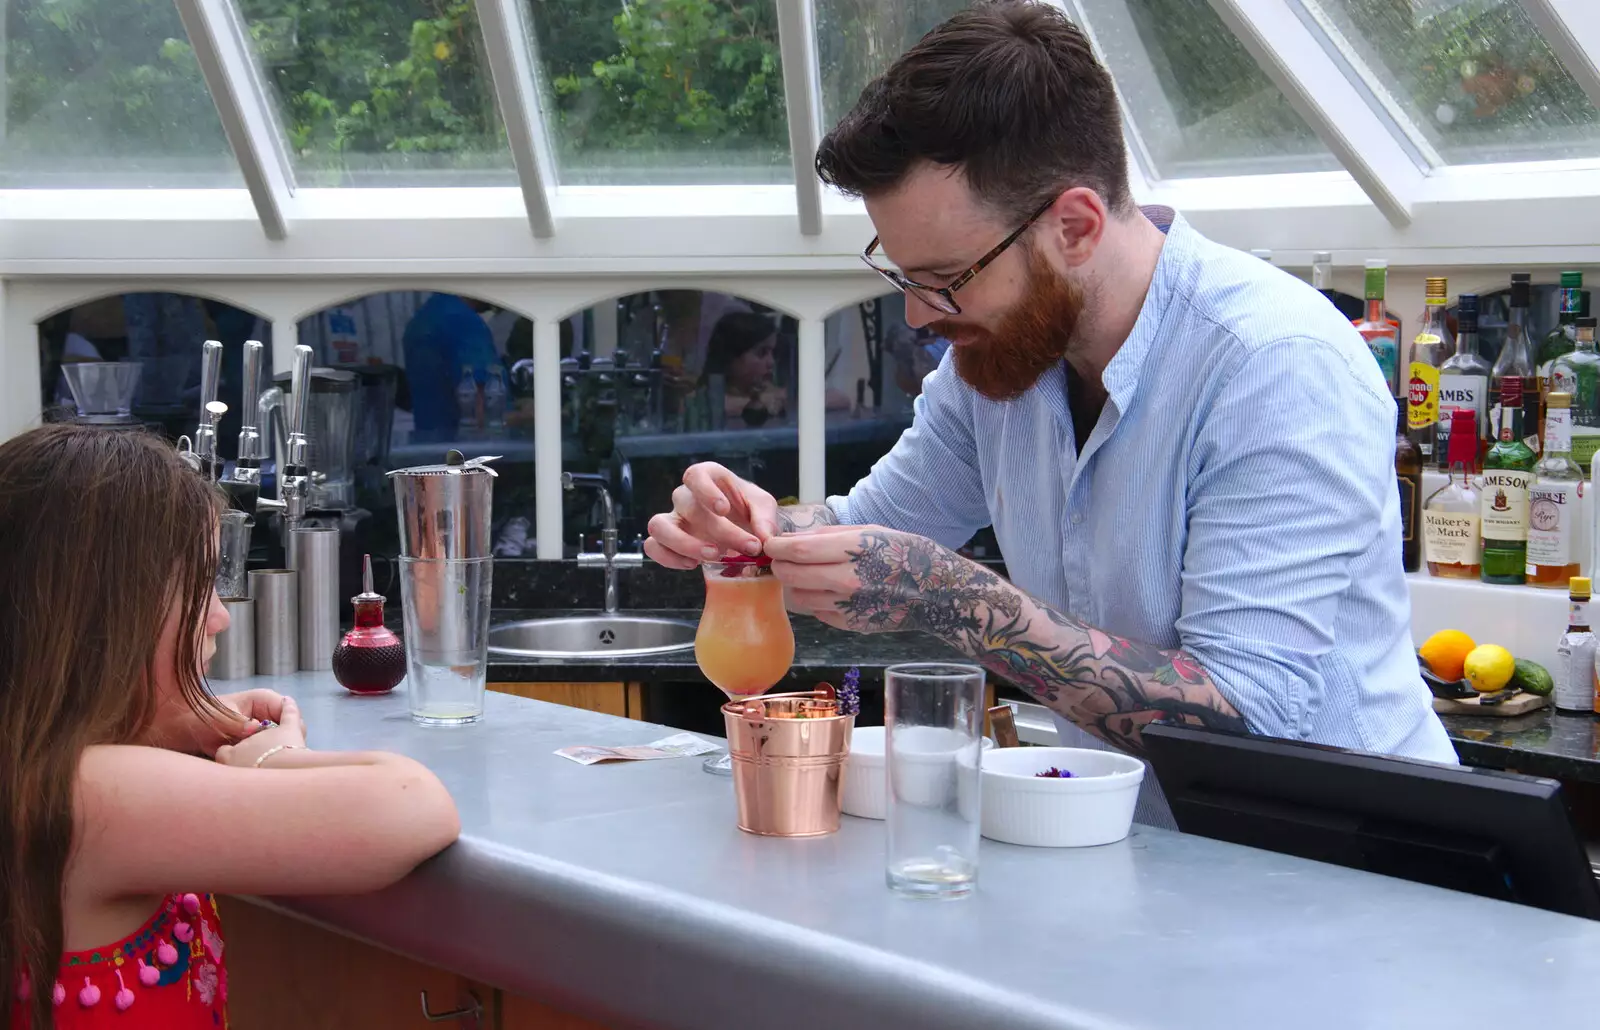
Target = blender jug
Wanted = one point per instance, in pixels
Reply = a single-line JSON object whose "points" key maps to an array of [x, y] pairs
{"points": [[446, 569], [332, 416]]}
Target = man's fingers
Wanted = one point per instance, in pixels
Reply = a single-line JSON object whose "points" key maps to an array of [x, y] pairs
{"points": [[661, 555], [763, 512], [669, 534], [714, 535], [813, 548], [711, 485]]}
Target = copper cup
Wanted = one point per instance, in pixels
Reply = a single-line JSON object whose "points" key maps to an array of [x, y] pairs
{"points": [[788, 762]]}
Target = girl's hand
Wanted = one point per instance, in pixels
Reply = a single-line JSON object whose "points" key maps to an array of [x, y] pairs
{"points": [[178, 728], [290, 731]]}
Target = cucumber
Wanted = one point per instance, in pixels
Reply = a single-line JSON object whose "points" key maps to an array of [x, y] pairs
{"points": [[1533, 678]]}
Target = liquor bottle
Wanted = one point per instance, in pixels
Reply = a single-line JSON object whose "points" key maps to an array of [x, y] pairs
{"points": [[1322, 281], [1578, 374], [1450, 518], [1263, 253], [1408, 476], [1382, 337], [1464, 377], [1428, 349], [1575, 654], [1516, 360], [1507, 475], [1553, 500], [1562, 338]]}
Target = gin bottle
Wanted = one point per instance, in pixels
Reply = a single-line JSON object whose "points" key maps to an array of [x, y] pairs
{"points": [[1578, 373]]}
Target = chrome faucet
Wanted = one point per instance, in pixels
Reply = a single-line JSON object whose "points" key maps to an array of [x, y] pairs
{"points": [[294, 476], [609, 556]]}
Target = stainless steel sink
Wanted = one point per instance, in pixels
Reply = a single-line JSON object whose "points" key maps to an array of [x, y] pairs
{"points": [[590, 636]]}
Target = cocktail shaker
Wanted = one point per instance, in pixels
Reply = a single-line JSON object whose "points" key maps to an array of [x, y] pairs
{"points": [[788, 762], [446, 570]]}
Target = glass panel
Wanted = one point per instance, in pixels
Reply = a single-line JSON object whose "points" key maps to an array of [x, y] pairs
{"points": [[106, 95], [664, 91], [857, 40], [163, 333], [654, 382], [1472, 77], [1198, 103], [393, 93]]}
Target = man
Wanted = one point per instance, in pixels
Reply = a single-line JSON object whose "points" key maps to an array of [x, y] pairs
{"points": [[446, 335], [1187, 455]]}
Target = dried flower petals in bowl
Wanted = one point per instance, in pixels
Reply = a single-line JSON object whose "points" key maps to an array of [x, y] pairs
{"points": [[1092, 804], [1060, 774]]}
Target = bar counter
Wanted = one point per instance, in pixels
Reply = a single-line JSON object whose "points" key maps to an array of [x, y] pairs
{"points": [[624, 894]]}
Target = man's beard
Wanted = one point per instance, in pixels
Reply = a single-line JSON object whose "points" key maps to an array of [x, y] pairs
{"points": [[1003, 363]]}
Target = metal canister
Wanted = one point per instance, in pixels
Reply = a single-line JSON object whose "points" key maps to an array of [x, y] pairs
{"points": [[276, 593], [788, 762], [446, 575], [236, 646], [314, 556]]}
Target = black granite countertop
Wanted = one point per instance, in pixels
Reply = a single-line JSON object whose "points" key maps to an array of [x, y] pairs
{"points": [[820, 653], [1543, 743]]}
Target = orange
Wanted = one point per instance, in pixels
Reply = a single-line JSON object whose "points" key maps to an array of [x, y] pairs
{"points": [[1446, 653]]}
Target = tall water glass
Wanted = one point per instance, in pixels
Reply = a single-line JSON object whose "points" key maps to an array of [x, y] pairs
{"points": [[446, 612], [933, 740]]}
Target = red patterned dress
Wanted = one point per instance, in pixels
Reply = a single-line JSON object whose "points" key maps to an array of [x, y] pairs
{"points": [[168, 974]]}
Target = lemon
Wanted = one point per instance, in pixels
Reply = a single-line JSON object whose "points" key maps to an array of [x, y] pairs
{"points": [[1489, 668], [1446, 652]]}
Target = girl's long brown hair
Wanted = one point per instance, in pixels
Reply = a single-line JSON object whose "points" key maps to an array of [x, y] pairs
{"points": [[102, 532]]}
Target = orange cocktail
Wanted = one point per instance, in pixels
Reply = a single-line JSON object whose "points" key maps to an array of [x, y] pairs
{"points": [[745, 643]]}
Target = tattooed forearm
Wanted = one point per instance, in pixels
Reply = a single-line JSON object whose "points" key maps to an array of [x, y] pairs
{"points": [[1111, 686], [796, 518]]}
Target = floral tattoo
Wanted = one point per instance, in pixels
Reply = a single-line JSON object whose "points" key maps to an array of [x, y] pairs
{"points": [[1111, 686]]}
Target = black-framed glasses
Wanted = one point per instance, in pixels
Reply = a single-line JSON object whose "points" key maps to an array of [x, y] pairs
{"points": [[942, 298]]}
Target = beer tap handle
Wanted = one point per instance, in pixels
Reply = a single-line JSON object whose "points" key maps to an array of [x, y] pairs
{"points": [[249, 432], [205, 437], [300, 399]]}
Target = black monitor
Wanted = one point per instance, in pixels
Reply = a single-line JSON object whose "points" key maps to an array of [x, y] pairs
{"points": [[1496, 834]]}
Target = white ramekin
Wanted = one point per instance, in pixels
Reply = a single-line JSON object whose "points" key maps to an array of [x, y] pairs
{"points": [[866, 779], [1093, 806]]}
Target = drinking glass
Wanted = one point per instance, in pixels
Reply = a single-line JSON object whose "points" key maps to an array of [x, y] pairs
{"points": [[233, 550], [744, 644], [446, 612], [933, 740]]}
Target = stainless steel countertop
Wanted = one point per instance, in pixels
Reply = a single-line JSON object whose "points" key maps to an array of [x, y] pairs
{"points": [[625, 893]]}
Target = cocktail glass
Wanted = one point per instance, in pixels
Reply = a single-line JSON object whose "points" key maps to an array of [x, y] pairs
{"points": [[745, 644]]}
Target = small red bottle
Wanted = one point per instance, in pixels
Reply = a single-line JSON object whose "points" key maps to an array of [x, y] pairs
{"points": [[370, 659]]}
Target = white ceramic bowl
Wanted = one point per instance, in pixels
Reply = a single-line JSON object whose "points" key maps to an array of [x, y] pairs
{"points": [[866, 778], [1094, 806]]}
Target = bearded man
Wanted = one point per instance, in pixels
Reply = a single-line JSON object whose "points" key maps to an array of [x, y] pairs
{"points": [[1185, 453]]}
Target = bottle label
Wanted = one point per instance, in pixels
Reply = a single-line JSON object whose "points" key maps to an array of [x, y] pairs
{"points": [[1461, 393], [1552, 510], [1385, 351], [1584, 447], [1558, 431], [1575, 674], [1422, 396], [1504, 506], [1450, 537], [1408, 507]]}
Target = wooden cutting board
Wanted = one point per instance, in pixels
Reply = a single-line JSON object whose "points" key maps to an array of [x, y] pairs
{"points": [[1519, 704]]}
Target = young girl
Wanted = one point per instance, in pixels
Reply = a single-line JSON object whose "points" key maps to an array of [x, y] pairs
{"points": [[130, 793]]}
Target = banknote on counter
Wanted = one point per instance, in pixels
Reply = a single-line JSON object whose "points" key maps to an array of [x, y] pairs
{"points": [[679, 745]]}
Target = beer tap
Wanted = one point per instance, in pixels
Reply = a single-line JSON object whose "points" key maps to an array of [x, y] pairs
{"points": [[243, 481], [211, 410], [294, 477]]}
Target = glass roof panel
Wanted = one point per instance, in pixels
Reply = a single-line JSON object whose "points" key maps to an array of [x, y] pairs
{"points": [[857, 40], [663, 92], [106, 95], [381, 92], [1470, 81], [1198, 104]]}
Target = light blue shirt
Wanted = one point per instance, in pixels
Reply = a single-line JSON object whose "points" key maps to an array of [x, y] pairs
{"points": [[1236, 499]]}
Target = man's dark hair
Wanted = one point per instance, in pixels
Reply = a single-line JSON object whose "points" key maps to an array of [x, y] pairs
{"points": [[1010, 91]]}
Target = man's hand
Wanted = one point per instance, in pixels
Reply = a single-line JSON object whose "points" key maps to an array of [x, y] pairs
{"points": [[875, 580], [714, 513]]}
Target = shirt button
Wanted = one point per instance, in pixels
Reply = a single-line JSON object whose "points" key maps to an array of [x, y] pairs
{"points": [[1077, 518]]}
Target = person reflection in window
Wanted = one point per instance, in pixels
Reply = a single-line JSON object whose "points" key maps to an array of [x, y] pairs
{"points": [[742, 350], [446, 334]]}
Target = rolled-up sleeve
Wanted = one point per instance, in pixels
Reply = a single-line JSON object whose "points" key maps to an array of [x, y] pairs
{"points": [[929, 482], [1287, 488]]}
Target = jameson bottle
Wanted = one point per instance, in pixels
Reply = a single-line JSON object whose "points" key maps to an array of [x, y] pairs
{"points": [[1507, 475]]}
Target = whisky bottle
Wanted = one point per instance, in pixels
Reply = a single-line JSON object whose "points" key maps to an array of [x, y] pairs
{"points": [[1507, 475], [1424, 359], [1516, 358], [1562, 338], [1408, 477], [1450, 518], [1464, 377], [1578, 373], [1553, 500]]}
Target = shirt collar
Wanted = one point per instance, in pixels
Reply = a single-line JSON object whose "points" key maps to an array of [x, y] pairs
{"points": [[1173, 269]]}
